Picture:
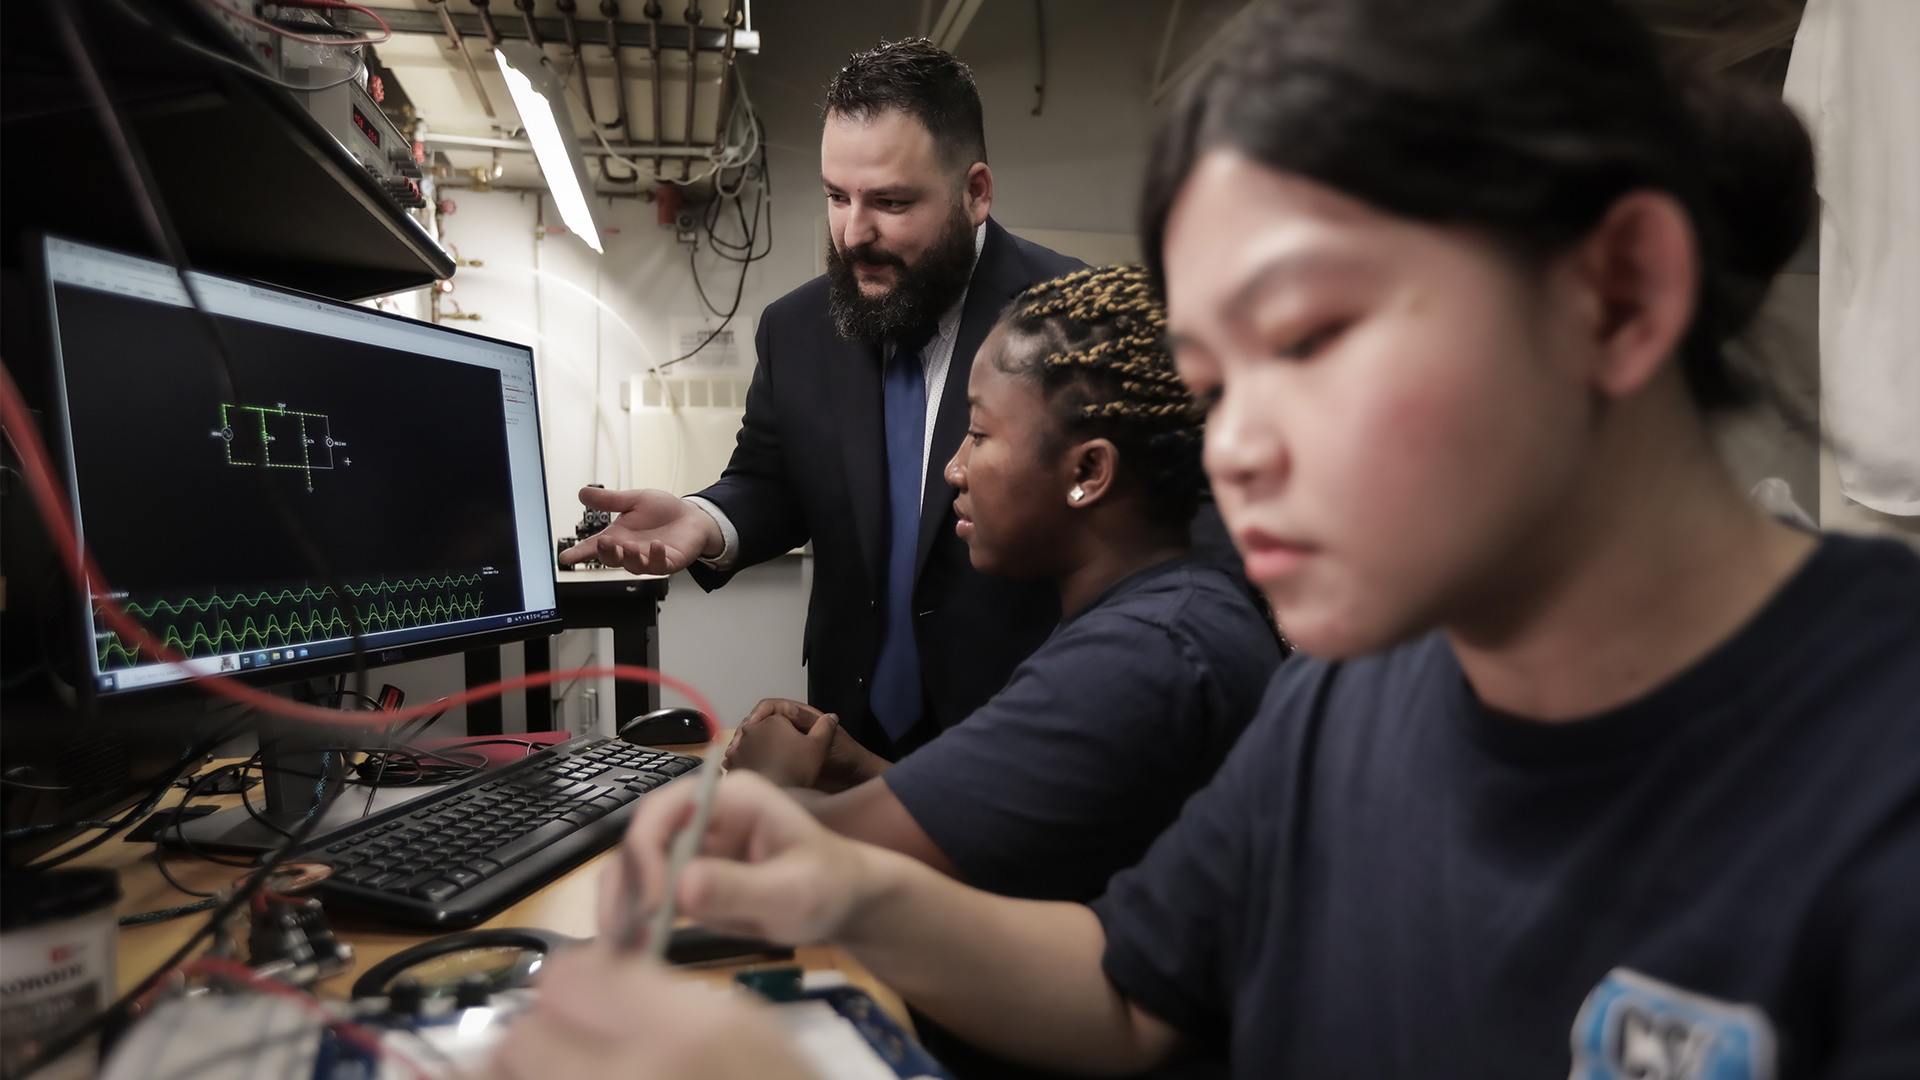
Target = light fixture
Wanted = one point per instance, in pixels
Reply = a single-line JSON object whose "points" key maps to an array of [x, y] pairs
{"points": [[542, 101]]}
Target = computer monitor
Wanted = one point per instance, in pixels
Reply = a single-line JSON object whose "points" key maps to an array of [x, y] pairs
{"points": [[405, 455]]}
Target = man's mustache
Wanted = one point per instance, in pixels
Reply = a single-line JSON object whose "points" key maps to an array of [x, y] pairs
{"points": [[872, 256]]}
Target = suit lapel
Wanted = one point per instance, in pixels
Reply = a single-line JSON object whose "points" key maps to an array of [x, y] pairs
{"points": [[996, 279], [853, 373]]}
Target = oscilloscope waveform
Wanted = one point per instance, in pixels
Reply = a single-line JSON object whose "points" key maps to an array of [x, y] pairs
{"points": [[278, 617]]}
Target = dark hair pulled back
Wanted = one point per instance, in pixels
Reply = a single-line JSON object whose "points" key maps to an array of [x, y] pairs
{"points": [[1528, 118], [1102, 365]]}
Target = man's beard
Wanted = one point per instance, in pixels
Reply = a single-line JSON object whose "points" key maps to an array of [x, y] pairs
{"points": [[921, 292]]}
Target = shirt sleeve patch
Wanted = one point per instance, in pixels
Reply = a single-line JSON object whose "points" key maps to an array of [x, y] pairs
{"points": [[1632, 1027]]}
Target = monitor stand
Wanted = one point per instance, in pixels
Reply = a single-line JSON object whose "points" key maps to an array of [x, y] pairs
{"points": [[294, 758]]}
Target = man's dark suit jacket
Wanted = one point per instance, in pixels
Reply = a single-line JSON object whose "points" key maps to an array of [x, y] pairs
{"points": [[810, 463]]}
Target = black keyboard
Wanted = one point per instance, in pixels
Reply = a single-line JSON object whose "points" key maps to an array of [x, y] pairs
{"points": [[458, 856]]}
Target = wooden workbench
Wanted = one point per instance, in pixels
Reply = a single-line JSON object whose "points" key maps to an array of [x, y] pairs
{"points": [[566, 905]]}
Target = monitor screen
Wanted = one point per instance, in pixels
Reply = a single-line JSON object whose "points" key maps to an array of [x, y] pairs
{"points": [[404, 455]]}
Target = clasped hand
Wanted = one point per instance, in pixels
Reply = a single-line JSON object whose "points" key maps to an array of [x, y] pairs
{"points": [[794, 744]]}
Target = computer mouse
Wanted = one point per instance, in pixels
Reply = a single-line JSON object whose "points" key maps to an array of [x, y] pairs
{"points": [[666, 727]]}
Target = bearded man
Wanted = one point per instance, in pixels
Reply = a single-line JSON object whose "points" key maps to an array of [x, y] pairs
{"points": [[858, 400]]}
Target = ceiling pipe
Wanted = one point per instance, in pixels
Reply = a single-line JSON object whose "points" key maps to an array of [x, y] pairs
{"points": [[446, 141], [486, 21], [533, 29], [652, 13], [726, 81], [459, 45], [693, 79], [567, 9]]}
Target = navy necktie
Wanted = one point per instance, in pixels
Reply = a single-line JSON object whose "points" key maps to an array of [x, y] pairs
{"points": [[896, 678]]}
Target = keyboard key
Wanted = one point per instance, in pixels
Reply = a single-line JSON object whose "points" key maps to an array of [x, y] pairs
{"points": [[466, 879], [382, 880], [580, 815], [435, 891], [414, 880], [508, 854]]}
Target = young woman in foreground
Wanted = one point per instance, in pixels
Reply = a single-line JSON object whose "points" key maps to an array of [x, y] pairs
{"points": [[1594, 770]]}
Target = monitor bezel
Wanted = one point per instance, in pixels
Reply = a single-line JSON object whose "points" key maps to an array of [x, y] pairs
{"points": [[57, 424]]}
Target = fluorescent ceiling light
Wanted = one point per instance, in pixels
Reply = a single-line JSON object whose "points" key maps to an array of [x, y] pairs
{"points": [[542, 102]]}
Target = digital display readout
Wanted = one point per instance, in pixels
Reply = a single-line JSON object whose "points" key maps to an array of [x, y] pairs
{"points": [[366, 127]]}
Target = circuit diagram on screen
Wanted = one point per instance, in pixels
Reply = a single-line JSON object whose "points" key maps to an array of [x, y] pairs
{"points": [[276, 437]]}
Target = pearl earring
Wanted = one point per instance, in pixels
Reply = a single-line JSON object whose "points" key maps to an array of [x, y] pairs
{"points": [[1077, 493]]}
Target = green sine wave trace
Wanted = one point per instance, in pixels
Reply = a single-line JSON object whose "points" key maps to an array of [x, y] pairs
{"points": [[225, 624]]}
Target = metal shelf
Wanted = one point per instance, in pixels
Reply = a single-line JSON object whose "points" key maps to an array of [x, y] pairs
{"points": [[255, 186]]}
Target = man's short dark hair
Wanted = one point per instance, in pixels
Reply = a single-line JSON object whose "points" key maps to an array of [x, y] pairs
{"points": [[925, 82]]}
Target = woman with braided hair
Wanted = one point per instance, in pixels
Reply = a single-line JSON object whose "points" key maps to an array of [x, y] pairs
{"points": [[1081, 465]]}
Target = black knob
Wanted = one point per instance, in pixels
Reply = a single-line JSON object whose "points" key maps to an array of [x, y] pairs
{"points": [[473, 992], [404, 996]]}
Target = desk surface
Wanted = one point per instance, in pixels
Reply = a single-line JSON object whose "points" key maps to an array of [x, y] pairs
{"points": [[566, 905]]}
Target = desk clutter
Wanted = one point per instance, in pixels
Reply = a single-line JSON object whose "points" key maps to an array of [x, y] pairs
{"points": [[233, 1029], [247, 1009]]}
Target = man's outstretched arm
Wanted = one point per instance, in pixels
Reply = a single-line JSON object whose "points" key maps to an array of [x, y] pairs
{"points": [[656, 532]]}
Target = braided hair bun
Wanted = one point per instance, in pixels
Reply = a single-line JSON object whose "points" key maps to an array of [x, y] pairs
{"points": [[1104, 370]]}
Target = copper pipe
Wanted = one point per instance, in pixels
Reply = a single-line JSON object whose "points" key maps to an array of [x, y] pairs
{"points": [[486, 22], [567, 8], [726, 79], [526, 12], [610, 10], [653, 52], [459, 45], [693, 72]]}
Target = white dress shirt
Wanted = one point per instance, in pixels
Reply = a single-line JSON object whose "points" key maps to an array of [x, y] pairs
{"points": [[935, 361]]}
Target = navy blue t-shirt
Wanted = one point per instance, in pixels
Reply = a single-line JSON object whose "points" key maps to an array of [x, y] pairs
{"points": [[1387, 879], [1072, 769]]}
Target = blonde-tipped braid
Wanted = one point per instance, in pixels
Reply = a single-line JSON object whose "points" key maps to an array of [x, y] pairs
{"points": [[1104, 360]]}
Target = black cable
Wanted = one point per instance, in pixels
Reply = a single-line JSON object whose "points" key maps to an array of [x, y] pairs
{"points": [[109, 829], [160, 862], [763, 199], [424, 723], [112, 1014], [179, 823], [373, 788], [7, 779], [162, 915]]}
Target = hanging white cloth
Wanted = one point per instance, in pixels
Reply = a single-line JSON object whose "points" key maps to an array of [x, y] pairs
{"points": [[1855, 80]]}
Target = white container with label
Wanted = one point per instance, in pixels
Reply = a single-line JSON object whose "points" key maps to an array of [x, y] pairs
{"points": [[58, 933]]}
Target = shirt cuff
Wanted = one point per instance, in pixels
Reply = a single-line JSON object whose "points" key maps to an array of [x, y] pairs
{"points": [[729, 536]]}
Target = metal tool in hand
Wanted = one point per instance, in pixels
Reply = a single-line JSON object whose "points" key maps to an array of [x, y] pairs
{"points": [[686, 844]]}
